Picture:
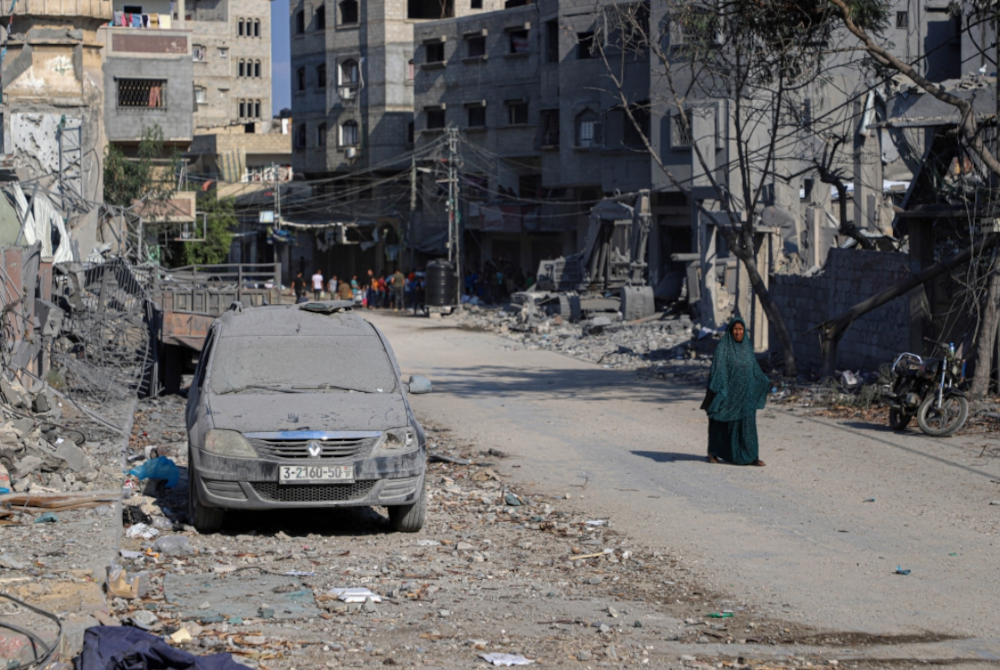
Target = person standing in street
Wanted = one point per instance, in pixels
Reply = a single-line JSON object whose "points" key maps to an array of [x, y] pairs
{"points": [[737, 388], [398, 288], [299, 287], [332, 286], [345, 292], [317, 280]]}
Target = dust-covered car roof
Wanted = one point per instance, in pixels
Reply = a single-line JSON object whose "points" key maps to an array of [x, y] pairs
{"points": [[293, 321]]}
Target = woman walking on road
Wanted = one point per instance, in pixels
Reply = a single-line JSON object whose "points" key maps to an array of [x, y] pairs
{"points": [[737, 388]]}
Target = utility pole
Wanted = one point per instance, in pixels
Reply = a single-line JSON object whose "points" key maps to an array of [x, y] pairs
{"points": [[454, 216], [413, 209]]}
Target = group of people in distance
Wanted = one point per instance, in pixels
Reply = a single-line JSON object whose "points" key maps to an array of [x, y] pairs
{"points": [[376, 291]]}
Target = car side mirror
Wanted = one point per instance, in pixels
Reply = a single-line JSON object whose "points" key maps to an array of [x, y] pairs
{"points": [[419, 384]]}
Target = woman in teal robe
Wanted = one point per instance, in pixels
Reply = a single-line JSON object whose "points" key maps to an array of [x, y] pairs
{"points": [[737, 388]]}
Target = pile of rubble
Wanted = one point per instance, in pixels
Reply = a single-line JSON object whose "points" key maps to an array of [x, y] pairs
{"points": [[667, 345]]}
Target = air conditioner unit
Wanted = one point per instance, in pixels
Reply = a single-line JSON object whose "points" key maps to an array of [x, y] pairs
{"points": [[352, 152]]}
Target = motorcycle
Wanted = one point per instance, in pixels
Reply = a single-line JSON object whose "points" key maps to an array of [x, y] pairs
{"points": [[928, 388]]}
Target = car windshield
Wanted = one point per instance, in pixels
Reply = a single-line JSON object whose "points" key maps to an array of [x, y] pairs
{"points": [[297, 364]]}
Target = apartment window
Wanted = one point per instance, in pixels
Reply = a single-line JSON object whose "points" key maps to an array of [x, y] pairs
{"points": [[477, 116], [902, 19], [475, 46], [409, 132], [242, 68], [552, 41], [518, 41], [300, 79], [350, 73], [319, 18], [256, 28], [476, 4], [549, 122], [200, 96], [588, 129], [256, 109], [243, 109], [435, 52], [517, 112], [585, 46], [321, 135], [224, 53], [435, 118], [300, 136], [477, 186], [430, 9], [142, 94], [348, 12], [321, 76], [349, 134], [256, 68], [239, 30], [300, 22], [132, 9], [680, 133], [632, 136], [411, 70], [198, 52]]}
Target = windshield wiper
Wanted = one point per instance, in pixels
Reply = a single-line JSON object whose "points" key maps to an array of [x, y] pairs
{"points": [[327, 387], [265, 387]]}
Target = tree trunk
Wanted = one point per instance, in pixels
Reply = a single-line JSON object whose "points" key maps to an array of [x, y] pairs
{"points": [[832, 330], [987, 334], [746, 254]]}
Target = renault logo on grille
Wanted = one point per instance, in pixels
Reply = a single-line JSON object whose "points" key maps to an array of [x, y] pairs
{"points": [[314, 449]]}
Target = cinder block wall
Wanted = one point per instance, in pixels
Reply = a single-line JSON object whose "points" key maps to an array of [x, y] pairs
{"points": [[849, 277]]}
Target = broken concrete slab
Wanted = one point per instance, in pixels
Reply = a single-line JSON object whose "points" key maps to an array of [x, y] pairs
{"points": [[227, 595]]}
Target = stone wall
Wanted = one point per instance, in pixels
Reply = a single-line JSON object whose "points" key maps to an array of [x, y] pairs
{"points": [[849, 277]]}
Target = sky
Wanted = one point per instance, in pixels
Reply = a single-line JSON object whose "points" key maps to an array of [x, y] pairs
{"points": [[281, 73]]}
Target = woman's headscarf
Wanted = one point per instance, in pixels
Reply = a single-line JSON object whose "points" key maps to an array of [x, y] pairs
{"points": [[739, 385]]}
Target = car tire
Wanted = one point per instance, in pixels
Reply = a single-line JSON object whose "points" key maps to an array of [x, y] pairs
{"points": [[204, 519], [409, 518]]}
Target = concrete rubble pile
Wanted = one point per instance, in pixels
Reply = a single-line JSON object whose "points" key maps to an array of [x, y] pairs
{"points": [[673, 342]]}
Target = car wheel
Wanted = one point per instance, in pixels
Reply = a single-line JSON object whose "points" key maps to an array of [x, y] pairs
{"points": [[409, 518], [204, 519]]}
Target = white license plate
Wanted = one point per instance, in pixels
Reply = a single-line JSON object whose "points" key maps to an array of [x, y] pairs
{"points": [[310, 474]]}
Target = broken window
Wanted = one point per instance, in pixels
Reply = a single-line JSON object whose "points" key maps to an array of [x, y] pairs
{"points": [[680, 132], [517, 112], [475, 46], [200, 96], [632, 136], [518, 41], [477, 116], [902, 19], [435, 118], [434, 52], [319, 18], [350, 73], [430, 9], [198, 53], [549, 120], [142, 93], [588, 129], [348, 12], [585, 46]]}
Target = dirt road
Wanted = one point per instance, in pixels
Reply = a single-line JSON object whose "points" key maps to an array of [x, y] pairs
{"points": [[799, 538]]}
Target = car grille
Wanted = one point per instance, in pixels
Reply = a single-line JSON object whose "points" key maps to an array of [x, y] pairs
{"points": [[294, 493], [350, 447]]}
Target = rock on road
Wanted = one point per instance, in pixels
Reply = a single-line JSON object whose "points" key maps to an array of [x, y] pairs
{"points": [[796, 537]]}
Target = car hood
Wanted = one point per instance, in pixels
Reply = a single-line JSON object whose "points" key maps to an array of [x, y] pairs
{"points": [[271, 412]]}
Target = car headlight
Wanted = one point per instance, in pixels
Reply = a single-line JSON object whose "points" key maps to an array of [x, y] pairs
{"points": [[399, 439], [228, 443]]}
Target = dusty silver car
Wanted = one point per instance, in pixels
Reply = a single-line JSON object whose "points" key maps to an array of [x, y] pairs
{"points": [[302, 406]]}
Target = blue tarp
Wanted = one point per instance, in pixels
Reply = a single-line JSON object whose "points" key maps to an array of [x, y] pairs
{"points": [[126, 648]]}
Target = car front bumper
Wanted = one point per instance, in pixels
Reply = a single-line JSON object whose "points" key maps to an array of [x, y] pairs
{"points": [[252, 484]]}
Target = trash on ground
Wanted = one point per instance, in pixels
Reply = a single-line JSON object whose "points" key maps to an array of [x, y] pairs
{"points": [[141, 530], [597, 522], [901, 571], [105, 647], [505, 659], [720, 615], [354, 595], [48, 517], [868, 500], [174, 545], [158, 468], [121, 584]]}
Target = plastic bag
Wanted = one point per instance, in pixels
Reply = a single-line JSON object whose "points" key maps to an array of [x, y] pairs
{"points": [[158, 468], [174, 545]]}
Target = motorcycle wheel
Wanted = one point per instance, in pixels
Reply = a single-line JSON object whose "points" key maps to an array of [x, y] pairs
{"points": [[899, 420], [947, 420]]}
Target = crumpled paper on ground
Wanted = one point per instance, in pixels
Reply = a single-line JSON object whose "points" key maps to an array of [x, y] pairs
{"points": [[505, 659]]}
